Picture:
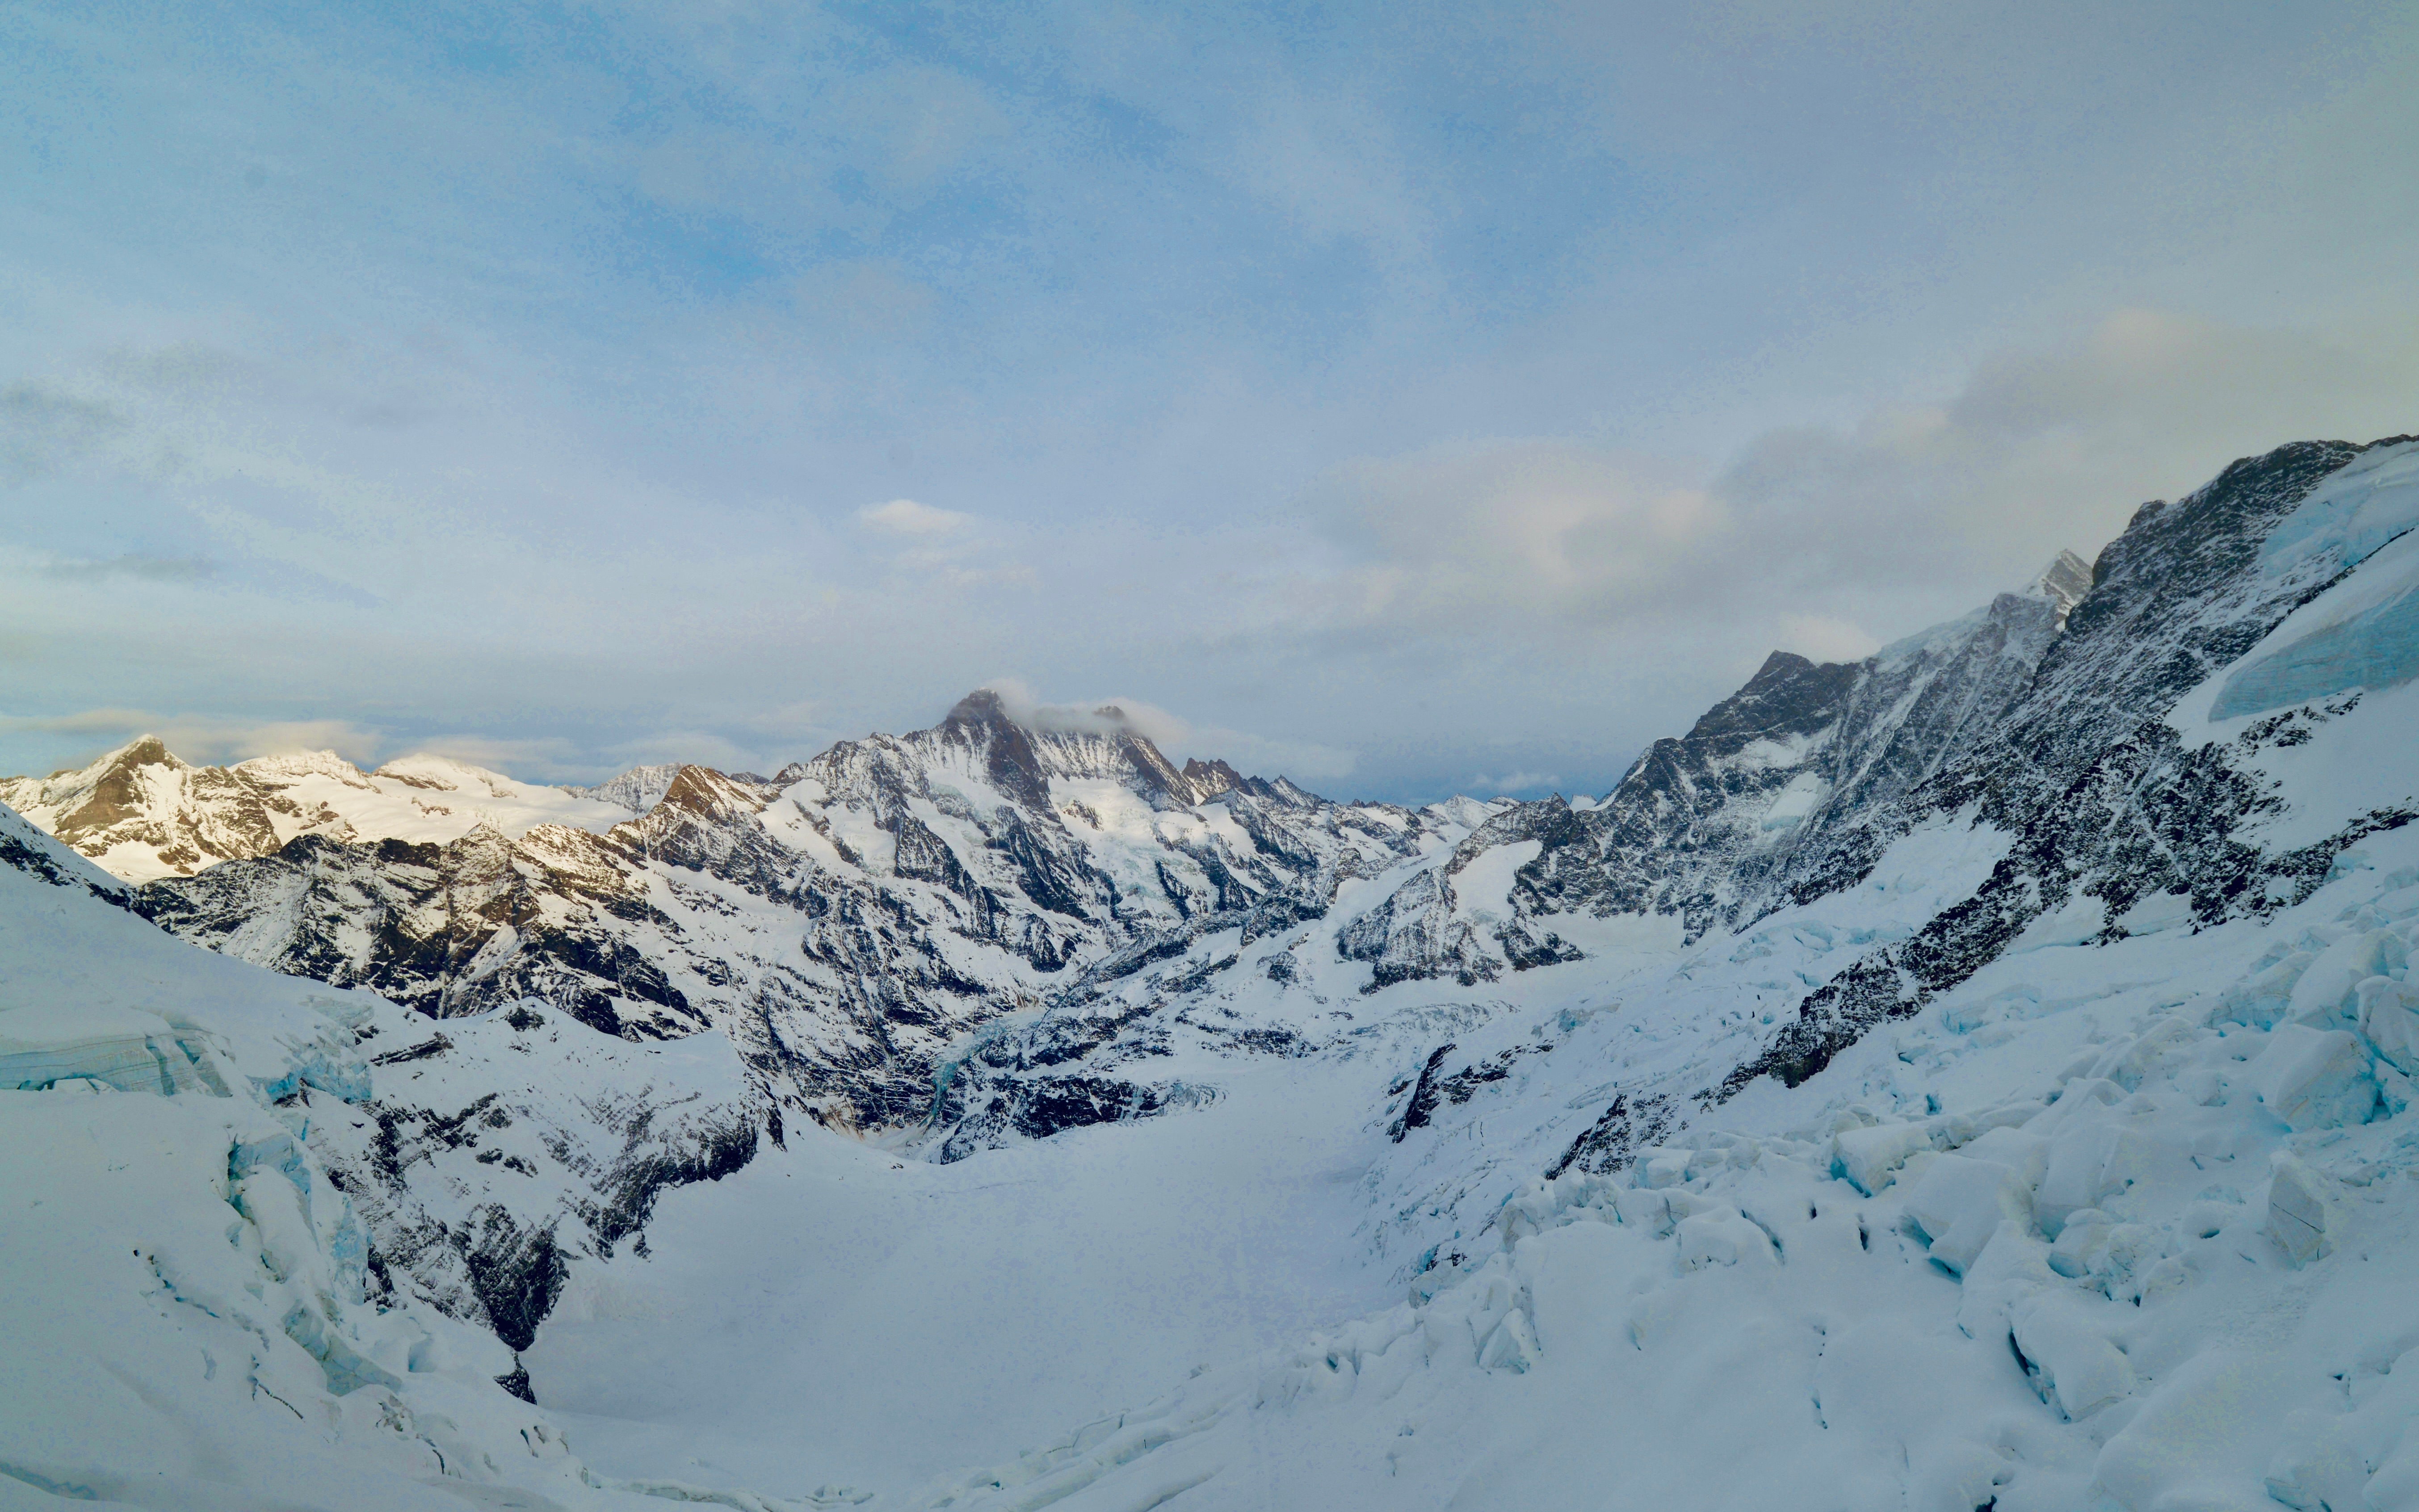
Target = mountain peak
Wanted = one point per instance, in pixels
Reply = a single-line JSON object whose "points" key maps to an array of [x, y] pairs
{"points": [[1031, 744], [1210, 779], [446, 774], [2064, 582], [143, 750], [989, 706], [292, 766], [1788, 695], [703, 791], [983, 706], [638, 790], [142, 814]]}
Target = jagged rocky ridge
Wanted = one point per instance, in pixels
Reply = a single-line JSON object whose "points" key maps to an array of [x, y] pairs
{"points": [[844, 921], [1748, 811], [2044, 721], [2095, 792], [2103, 796]]}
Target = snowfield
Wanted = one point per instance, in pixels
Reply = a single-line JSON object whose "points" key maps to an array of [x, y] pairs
{"points": [[2081, 1233], [1980, 1076]]}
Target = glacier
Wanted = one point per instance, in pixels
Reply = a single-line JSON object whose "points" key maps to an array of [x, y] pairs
{"points": [[1975, 1077]]}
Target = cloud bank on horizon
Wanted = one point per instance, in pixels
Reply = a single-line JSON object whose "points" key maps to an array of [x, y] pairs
{"points": [[1403, 394]]}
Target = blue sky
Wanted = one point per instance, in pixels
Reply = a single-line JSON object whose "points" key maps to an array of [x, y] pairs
{"points": [[1409, 398]]}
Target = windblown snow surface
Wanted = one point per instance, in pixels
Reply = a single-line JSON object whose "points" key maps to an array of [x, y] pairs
{"points": [[2120, 1218]]}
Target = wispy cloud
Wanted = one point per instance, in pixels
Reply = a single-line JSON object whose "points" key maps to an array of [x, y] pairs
{"points": [[1828, 541], [45, 426], [1450, 539], [905, 517], [1823, 637], [204, 739], [136, 564], [1511, 784], [946, 547]]}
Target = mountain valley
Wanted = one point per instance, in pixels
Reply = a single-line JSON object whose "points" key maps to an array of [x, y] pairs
{"points": [[1976, 1075]]}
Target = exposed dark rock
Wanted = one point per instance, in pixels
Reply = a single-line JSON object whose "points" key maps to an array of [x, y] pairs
{"points": [[1423, 1102], [1612, 1142], [517, 1382], [517, 1273], [648, 1169]]}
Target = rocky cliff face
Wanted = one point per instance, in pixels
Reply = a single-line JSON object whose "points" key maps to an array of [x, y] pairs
{"points": [[1754, 806], [2104, 799], [2072, 749], [446, 929], [142, 797]]}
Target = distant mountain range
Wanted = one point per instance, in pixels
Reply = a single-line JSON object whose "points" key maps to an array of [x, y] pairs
{"points": [[142, 813]]}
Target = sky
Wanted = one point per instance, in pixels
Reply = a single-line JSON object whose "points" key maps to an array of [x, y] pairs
{"points": [[1407, 398]]}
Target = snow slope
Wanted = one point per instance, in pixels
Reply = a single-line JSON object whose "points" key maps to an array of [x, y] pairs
{"points": [[192, 1316], [839, 1313], [2075, 1235]]}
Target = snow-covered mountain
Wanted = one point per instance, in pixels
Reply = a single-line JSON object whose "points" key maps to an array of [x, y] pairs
{"points": [[142, 813], [844, 922], [1978, 1075], [1749, 809]]}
